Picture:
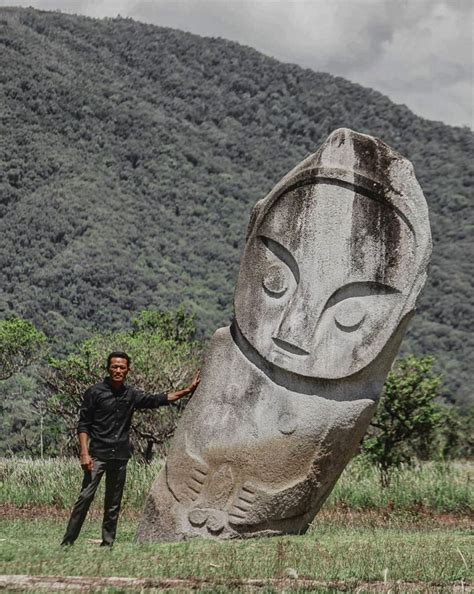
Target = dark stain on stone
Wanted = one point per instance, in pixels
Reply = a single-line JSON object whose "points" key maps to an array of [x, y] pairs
{"points": [[373, 160], [379, 226], [300, 210], [341, 139]]}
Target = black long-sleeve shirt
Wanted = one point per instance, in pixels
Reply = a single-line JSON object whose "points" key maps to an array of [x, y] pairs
{"points": [[106, 414]]}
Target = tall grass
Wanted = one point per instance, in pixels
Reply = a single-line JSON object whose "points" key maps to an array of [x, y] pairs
{"points": [[439, 487], [436, 486], [56, 482]]}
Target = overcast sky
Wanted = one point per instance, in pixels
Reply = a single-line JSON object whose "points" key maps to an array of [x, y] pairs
{"points": [[418, 52]]}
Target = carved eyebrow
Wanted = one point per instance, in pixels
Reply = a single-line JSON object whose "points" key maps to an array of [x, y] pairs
{"points": [[283, 254], [360, 289]]}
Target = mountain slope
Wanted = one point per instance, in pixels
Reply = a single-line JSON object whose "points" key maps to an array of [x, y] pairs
{"points": [[131, 156]]}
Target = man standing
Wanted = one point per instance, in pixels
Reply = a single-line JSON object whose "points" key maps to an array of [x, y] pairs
{"points": [[104, 425]]}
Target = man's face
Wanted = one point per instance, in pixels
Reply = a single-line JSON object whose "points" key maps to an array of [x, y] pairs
{"points": [[118, 369], [324, 280]]}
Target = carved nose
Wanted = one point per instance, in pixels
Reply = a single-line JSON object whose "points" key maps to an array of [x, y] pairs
{"points": [[293, 334], [297, 326]]}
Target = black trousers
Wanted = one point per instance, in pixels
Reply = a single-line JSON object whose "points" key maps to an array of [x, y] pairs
{"points": [[115, 474]]}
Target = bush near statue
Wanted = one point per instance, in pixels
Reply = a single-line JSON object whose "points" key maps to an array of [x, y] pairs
{"points": [[336, 256]]}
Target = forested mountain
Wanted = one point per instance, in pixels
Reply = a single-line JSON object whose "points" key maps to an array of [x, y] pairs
{"points": [[131, 156]]}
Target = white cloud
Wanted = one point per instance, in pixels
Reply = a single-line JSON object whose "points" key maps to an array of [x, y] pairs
{"points": [[418, 52]]}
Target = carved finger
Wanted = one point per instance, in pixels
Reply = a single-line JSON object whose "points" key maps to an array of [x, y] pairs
{"points": [[236, 518], [194, 491], [192, 481], [242, 505], [246, 497], [247, 493], [198, 475]]}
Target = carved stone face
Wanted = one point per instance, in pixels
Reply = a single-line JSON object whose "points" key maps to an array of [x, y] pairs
{"points": [[324, 280]]}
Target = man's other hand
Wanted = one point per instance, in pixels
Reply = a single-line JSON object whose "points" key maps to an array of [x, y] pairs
{"points": [[86, 463]]}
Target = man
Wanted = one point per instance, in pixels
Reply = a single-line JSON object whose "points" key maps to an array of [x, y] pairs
{"points": [[104, 424]]}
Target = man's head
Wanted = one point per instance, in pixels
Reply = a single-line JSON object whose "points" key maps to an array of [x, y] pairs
{"points": [[118, 366]]}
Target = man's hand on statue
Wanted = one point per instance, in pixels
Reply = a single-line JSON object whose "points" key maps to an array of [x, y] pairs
{"points": [[195, 383], [86, 462], [173, 396]]}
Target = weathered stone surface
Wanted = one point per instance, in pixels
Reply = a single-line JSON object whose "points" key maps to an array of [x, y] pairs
{"points": [[335, 258]]}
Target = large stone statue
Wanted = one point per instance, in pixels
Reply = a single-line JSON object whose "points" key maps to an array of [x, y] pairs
{"points": [[335, 258]]}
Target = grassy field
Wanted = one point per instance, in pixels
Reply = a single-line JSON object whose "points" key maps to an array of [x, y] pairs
{"points": [[330, 551], [413, 537]]}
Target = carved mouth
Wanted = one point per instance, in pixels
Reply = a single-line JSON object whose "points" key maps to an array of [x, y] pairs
{"points": [[289, 348]]}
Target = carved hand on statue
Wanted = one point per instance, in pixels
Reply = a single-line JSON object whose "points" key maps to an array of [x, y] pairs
{"points": [[195, 480], [186, 478], [241, 512], [253, 505]]}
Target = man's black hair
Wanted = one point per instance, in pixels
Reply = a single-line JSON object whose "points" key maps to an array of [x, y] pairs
{"points": [[118, 355]]}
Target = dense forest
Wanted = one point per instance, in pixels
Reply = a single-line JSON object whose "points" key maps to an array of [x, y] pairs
{"points": [[131, 156]]}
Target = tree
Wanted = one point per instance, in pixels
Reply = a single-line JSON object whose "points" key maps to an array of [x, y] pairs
{"points": [[20, 345], [25, 427], [164, 356], [406, 417], [455, 437]]}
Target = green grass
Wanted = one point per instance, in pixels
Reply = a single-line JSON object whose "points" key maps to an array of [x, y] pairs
{"points": [[329, 551], [416, 531], [436, 487]]}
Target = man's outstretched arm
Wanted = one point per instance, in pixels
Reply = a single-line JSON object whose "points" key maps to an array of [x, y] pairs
{"points": [[144, 400], [173, 396]]}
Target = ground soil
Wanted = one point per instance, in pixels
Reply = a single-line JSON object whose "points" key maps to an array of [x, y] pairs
{"points": [[414, 517], [85, 584]]}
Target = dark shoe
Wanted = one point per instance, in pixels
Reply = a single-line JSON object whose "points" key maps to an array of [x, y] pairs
{"points": [[107, 544], [67, 543]]}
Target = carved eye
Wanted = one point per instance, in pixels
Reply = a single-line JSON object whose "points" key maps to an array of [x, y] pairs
{"points": [[278, 276], [275, 281], [351, 303], [349, 314]]}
